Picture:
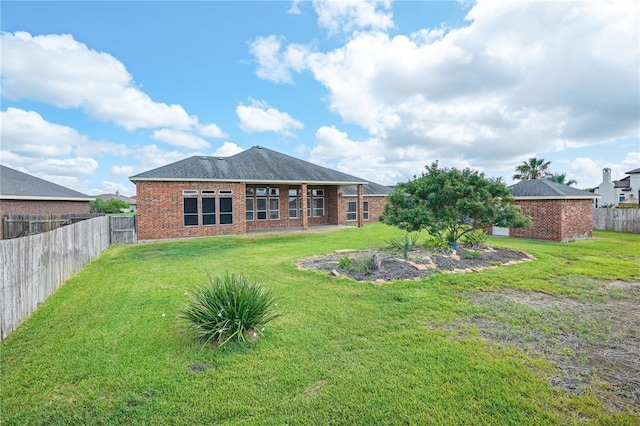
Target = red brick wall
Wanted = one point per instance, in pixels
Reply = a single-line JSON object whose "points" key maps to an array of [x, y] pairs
{"points": [[40, 207], [577, 220], [556, 220], [376, 205], [160, 210]]}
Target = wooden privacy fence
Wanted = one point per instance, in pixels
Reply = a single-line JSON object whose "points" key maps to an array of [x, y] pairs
{"points": [[34, 267], [621, 220], [21, 225], [124, 229]]}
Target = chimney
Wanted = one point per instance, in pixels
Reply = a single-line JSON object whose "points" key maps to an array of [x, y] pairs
{"points": [[606, 174]]}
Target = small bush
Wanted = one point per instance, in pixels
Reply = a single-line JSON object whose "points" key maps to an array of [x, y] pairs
{"points": [[405, 243], [367, 262], [476, 238], [471, 254], [437, 242], [229, 307], [345, 262]]}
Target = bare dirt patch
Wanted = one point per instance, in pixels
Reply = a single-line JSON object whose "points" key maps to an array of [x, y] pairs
{"points": [[388, 265], [594, 345]]}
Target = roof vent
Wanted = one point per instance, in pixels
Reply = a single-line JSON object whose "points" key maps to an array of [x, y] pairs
{"points": [[220, 158]]}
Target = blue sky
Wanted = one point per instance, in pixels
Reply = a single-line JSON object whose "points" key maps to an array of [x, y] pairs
{"points": [[95, 92]]}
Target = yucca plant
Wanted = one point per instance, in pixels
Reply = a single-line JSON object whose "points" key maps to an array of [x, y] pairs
{"points": [[405, 243], [230, 307]]}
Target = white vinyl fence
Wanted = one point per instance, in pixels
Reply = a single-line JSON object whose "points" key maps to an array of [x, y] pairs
{"points": [[620, 220], [34, 267]]}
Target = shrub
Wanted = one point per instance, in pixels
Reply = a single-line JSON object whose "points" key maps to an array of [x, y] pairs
{"points": [[437, 242], [345, 262], [229, 307], [476, 238], [405, 243], [367, 262], [471, 254]]}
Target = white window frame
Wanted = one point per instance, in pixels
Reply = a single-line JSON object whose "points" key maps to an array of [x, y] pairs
{"points": [[352, 215]]}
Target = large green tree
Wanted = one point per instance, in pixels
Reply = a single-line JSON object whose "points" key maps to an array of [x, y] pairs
{"points": [[452, 201], [534, 168]]}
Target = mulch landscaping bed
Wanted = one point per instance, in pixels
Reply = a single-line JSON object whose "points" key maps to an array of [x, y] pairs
{"points": [[388, 265]]}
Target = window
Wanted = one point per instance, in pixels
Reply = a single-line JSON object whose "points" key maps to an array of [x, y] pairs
{"points": [[208, 192], [190, 210], [261, 208], [263, 203], [274, 208], [352, 210], [208, 210], [294, 204], [315, 202], [621, 197], [190, 192], [226, 210], [249, 208]]}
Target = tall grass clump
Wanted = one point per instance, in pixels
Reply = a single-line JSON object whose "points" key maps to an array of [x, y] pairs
{"points": [[230, 307]]}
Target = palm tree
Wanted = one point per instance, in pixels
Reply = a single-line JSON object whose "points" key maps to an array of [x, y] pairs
{"points": [[561, 178], [532, 169]]}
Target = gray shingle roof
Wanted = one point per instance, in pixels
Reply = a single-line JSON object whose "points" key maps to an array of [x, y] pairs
{"points": [[255, 165], [109, 197], [543, 188], [633, 172], [371, 188], [18, 185]]}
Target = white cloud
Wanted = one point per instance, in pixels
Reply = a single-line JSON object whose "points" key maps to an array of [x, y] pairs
{"points": [[26, 133], [295, 8], [61, 71], [349, 16], [212, 131], [522, 78], [63, 166], [261, 117], [122, 171], [227, 149], [179, 138]]}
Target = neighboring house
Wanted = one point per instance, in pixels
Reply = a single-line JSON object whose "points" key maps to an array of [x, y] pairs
{"points": [[559, 212], [21, 193], [130, 201], [613, 192], [253, 190]]}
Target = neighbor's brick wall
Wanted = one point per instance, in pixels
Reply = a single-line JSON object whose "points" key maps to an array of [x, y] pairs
{"points": [[577, 219], [160, 210], [40, 207], [556, 220]]}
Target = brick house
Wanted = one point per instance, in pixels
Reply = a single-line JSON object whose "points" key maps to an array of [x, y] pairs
{"points": [[21, 193], [253, 190], [558, 212]]}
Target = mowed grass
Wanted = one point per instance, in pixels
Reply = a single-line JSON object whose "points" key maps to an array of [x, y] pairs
{"points": [[108, 346]]}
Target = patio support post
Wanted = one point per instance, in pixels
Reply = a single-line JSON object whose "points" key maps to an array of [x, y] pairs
{"points": [[305, 219], [360, 206]]}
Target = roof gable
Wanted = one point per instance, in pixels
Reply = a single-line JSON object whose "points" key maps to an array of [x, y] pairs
{"points": [[18, 185], [253, 165], [546, 189]]}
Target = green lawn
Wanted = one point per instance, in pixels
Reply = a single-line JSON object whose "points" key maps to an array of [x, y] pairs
{"points": [[108, 347]]}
